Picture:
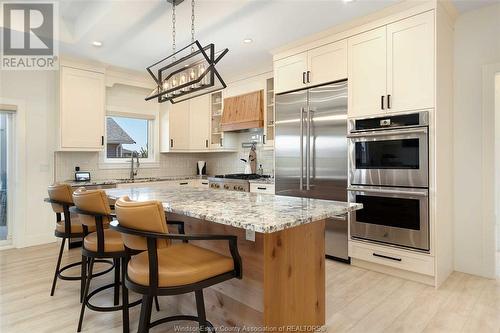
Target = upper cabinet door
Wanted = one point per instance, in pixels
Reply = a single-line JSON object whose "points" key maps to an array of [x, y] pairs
{"points": [[82, 109], [289, 73], [327, 63], [179, 126], [367, 73], [199, 122], [410, 61]]}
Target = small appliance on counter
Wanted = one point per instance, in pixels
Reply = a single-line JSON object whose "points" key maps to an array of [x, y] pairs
{"points": [[82, 176], [201, 168]]}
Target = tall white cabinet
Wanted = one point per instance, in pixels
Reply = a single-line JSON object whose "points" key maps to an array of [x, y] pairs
{"points": [[391, 68], [81, 109]]}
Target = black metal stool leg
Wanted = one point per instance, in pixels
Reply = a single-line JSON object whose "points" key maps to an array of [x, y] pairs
{"points": [[157, 304], [84, 277], [117, 281], [200, 308], [147, 304], [85, 294], [58, 266], [125, 312]]}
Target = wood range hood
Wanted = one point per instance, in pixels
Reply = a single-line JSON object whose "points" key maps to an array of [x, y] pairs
{"points": [[243, 112]]}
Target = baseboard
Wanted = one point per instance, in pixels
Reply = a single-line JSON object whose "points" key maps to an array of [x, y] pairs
{"points": [[421, 278], [35, 240]]}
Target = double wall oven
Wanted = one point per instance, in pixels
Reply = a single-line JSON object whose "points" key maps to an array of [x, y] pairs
{"points": [[389, 175]]}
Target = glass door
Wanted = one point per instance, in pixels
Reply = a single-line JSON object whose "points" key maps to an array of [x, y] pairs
{"points": [[5, 197]]}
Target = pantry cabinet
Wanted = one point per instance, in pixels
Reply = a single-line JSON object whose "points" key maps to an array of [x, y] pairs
{"points": [[320, 65], [81, 110], [391, 68]]}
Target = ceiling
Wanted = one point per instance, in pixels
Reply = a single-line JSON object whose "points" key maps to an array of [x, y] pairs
{"points": [[136, 33]]}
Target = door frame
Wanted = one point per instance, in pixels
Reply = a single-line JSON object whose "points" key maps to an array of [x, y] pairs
{"points": [[490, 170], [17, 176]]}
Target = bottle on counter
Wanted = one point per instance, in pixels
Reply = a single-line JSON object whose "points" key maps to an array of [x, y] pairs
{"points": [[260, 171]]}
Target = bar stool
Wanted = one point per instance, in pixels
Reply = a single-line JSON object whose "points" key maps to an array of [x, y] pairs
{"points": [[60, 197], [95, 213], [164, 268]]}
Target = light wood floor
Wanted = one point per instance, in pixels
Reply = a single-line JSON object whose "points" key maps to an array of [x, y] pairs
{"points": [[357, 300]]}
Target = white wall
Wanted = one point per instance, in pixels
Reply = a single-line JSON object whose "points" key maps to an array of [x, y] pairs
{"points": [[477, 43], [36, 90]]}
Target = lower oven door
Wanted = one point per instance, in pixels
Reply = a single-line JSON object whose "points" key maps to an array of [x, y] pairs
{"points": [[395, 216]]}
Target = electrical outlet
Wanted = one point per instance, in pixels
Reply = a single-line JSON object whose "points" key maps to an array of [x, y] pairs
{"points": [[250, 235]]}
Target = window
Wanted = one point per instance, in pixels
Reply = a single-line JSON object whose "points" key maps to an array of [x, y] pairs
{"points": [[126, 136]]}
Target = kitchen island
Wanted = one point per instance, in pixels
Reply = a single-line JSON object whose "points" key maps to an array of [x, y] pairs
{"points": [[281, 242]]}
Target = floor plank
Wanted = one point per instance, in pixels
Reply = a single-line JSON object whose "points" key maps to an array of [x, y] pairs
{"points": [[357, 300]]}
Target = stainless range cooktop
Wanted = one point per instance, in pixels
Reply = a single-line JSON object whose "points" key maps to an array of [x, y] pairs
{"points": [[234, 182]]}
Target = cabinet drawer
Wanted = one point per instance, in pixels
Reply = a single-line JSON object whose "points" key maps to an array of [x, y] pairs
{"points": [[414, 262], [262, 188]]}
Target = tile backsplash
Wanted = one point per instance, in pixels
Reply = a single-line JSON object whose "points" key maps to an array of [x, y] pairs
{"points": [[171, 164]]}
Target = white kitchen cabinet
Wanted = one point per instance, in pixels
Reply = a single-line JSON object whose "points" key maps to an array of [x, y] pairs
{"points": [[199, 123], [367, 73], [179, 126], [327, 63], [290, 73], [320, 65], [82, 111], [391, 68], [410, 63]]}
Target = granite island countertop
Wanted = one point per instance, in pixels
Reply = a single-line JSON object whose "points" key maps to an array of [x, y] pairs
{"points": [[251, 211]]}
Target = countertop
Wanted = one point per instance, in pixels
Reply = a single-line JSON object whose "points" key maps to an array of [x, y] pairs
{"points": [[252, 211], [267, 181], [128, 181]]}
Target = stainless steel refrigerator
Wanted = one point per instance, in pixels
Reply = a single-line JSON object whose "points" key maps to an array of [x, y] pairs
{"points": [[311, 152]]}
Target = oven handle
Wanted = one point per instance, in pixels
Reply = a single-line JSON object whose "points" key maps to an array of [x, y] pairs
{"points": [[384, 191], [387, 133]]}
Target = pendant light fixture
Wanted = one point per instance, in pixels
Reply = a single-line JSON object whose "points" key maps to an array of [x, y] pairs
{"points": [[187, 73]]}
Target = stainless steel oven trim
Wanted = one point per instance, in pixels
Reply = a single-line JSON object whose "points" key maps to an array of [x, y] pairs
{"points": [[423, 121], [385, 132], [391, 177], [406, 238]]}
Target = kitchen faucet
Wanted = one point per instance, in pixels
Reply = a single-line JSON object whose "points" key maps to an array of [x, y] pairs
{"points": [[132, 172]]}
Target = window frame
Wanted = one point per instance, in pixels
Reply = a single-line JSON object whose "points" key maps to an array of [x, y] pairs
{"points": [[122, 163]]}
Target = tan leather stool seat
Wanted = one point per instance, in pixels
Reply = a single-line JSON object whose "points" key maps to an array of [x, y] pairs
{"points": [[76, 226], [180, 264], [112, 241]]}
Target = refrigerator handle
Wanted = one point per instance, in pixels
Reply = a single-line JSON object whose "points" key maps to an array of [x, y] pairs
{"points": [[308, 149], [301, 148]]}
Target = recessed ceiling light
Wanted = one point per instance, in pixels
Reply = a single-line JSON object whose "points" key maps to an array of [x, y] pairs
{"points": [[97, 43], [248, 40]]}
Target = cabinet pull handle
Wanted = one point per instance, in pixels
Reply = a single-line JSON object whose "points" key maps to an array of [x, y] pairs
{"points": [[204, 183], [262, 188], [308, 76], [382, 102], [386, 257], [102, 140], [206, 143], [389, 101], [220, 140], [185, 183], [171, 143], [263, 139], [304, 77]]}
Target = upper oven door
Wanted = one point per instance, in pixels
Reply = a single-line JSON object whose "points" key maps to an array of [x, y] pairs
{"points": [[398, 157]]}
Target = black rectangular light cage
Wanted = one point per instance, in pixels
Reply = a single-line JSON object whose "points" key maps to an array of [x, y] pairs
{"points": [[187, 73]]}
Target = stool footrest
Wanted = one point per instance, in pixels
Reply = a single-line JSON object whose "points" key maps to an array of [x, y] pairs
{"points": [[179, 318], [106, 308], [73, 278]]}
